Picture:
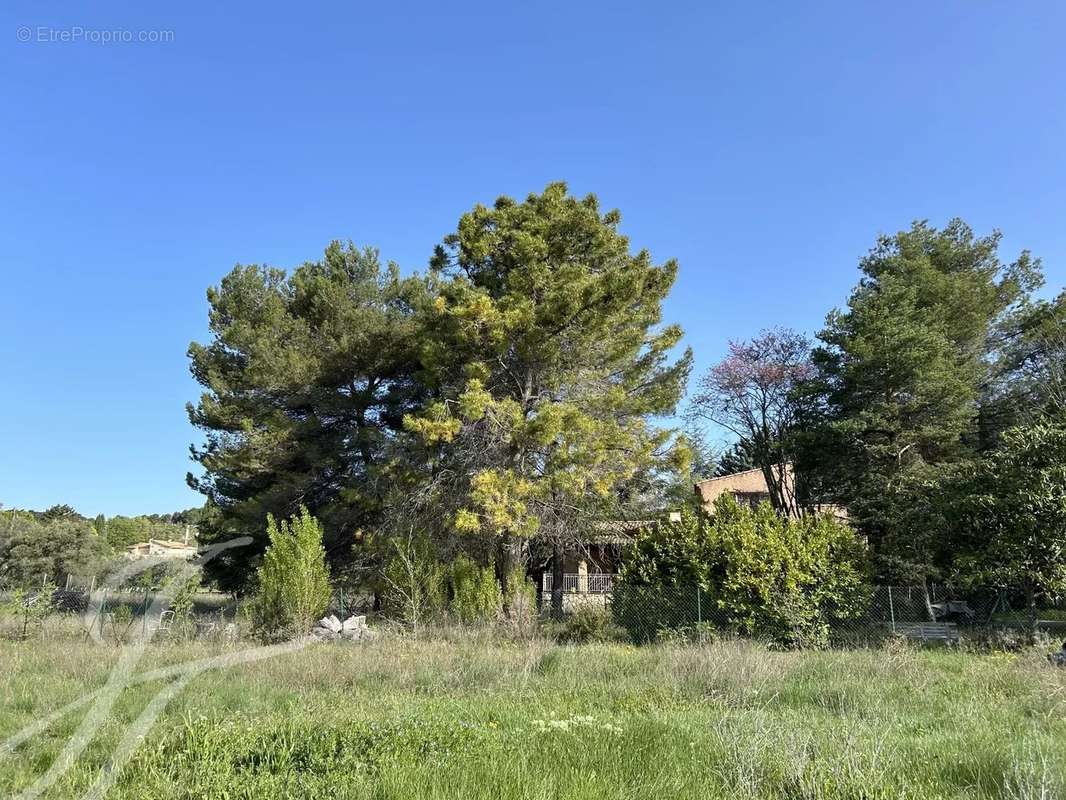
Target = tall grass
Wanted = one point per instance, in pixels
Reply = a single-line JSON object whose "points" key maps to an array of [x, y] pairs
{"points": [[485, 718]]}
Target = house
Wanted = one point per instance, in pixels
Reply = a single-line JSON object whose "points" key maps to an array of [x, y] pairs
{"points": [[748, 487], [161, 548], [590, 566]]}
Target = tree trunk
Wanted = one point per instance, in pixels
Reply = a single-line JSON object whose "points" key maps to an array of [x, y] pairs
{"points": [[782, 496], [510, 553], [557, 580]]}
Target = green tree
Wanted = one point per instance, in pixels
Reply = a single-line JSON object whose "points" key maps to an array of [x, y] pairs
{"points": [[546, 363], [414, 580], [671, 489], [1010, 512], [1029, 376], [31, 551], [901, 374], [63, 511], [475, 591], [294, 585], [738, 458], [306, 380]]}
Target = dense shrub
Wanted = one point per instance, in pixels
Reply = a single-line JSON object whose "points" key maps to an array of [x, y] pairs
{"points": [[588, 623], [182, 592], [475, 591], [417, 586], [757, 573], [1008, 514], [294, 580]]}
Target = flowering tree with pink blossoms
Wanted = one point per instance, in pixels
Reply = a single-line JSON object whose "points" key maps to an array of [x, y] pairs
{"points": [[752, 393]]}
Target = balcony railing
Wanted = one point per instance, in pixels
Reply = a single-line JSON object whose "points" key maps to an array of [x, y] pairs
{"points": [[575, 583]]}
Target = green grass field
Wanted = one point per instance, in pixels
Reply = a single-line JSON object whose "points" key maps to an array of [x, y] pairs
{"points": [[482, 718]]}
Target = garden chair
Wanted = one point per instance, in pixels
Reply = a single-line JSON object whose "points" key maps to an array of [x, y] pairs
{"points": [[164, 623]]}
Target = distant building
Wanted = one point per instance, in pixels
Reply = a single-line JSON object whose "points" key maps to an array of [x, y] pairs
{"points": [[161, 548], [749, 488]]}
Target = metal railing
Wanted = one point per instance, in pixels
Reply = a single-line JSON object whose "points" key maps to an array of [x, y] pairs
{"points": [[578, 583]]}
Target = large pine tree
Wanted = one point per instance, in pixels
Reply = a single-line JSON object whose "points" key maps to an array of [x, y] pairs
{"points": [[546, 363], [902, 373], [306, 380]]}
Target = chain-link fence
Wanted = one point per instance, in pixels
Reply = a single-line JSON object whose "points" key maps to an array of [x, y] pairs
{"points": [[932, 613]]}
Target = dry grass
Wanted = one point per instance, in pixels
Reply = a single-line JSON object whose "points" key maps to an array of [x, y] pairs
{"points": [[477, 716]]}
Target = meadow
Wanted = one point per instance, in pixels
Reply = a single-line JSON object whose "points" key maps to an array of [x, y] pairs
{"points": [[472, 716]]}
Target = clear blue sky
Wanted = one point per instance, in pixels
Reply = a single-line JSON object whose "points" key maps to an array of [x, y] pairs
{"points": [[762, 145]]}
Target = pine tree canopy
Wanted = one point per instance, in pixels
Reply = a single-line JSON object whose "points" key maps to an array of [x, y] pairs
{"points": [[307, 378], [903, 370], [546, 360]]}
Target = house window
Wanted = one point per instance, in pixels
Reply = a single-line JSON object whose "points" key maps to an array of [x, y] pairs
{"points": [[751, 499]]}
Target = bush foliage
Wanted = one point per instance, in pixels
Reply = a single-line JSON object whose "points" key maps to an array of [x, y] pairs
{"points": [[294, 584], [418, 585], [758, 573], [414, 582], [32, 550], [475, 592]]}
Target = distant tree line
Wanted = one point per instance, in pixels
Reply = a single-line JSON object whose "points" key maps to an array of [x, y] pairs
{"points": [[49, 545]]}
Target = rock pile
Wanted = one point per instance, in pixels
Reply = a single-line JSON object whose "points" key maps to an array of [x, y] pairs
{"points": [[332, 629]]}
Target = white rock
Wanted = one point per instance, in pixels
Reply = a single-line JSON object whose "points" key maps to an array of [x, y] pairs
{"points": [[330, 623], [354, 624]]}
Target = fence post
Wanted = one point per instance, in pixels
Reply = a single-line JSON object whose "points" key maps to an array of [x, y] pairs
{"points": [[144, 614], [699, 606], [891, 610]]}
